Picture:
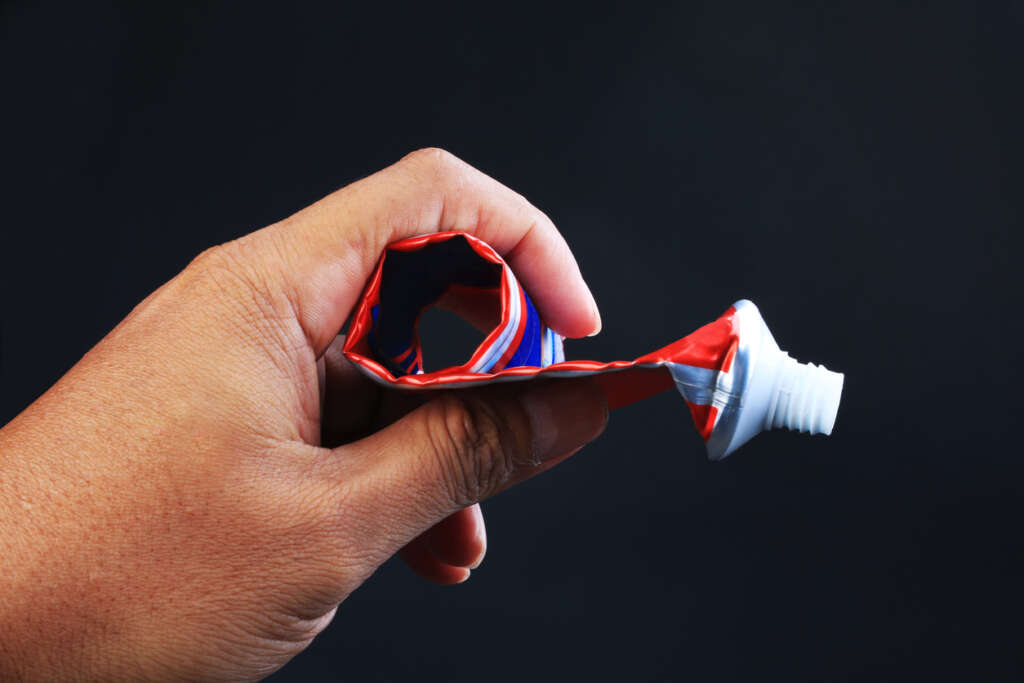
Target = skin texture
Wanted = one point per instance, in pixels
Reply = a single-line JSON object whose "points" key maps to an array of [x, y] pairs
{"points": [[198, 494]]}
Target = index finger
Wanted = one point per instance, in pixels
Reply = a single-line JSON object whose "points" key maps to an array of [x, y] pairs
{"points": [[331, 247]]}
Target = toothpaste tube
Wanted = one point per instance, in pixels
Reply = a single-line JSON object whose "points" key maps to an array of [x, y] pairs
{"points": [[731, 373]]}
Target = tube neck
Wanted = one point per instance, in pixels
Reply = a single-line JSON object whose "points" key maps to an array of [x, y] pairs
{"points": [[805, 399]]}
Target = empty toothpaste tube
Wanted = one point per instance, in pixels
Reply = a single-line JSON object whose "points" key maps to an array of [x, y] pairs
{"points": [[731, 373]]}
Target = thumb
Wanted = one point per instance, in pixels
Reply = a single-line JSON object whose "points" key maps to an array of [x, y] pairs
{"points": [[465, 446]]}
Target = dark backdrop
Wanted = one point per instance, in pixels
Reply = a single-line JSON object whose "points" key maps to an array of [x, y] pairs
{"points": [[854, 170]]}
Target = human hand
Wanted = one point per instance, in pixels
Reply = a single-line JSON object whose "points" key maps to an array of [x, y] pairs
{"points": [[199, 493]]}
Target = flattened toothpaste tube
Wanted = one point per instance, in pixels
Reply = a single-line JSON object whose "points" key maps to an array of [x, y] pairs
{"points": [[731, 373]]}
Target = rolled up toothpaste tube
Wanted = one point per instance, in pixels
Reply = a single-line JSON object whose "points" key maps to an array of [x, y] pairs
{"points": [[731, 373]]}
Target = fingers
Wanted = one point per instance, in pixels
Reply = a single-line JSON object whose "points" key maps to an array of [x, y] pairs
{"points": [[459, 539], [419, 558], [456, 543], [325, 253], [464, 447]]}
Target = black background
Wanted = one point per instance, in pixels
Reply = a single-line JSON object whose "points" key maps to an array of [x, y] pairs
{"points": [[853, 169]]}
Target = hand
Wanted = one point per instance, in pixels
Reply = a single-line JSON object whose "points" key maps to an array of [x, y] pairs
{"points": [[199, 493]]}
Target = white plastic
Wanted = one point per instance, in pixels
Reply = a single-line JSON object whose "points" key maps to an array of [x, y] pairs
{"points": [[773, 390]]}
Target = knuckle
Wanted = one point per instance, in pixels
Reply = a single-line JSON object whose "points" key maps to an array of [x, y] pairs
{"points": [[213, 276], [217, 271], [223, 262], [235, 274], [469, 440], [431, 157], [206, 258], [435, 163]]}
